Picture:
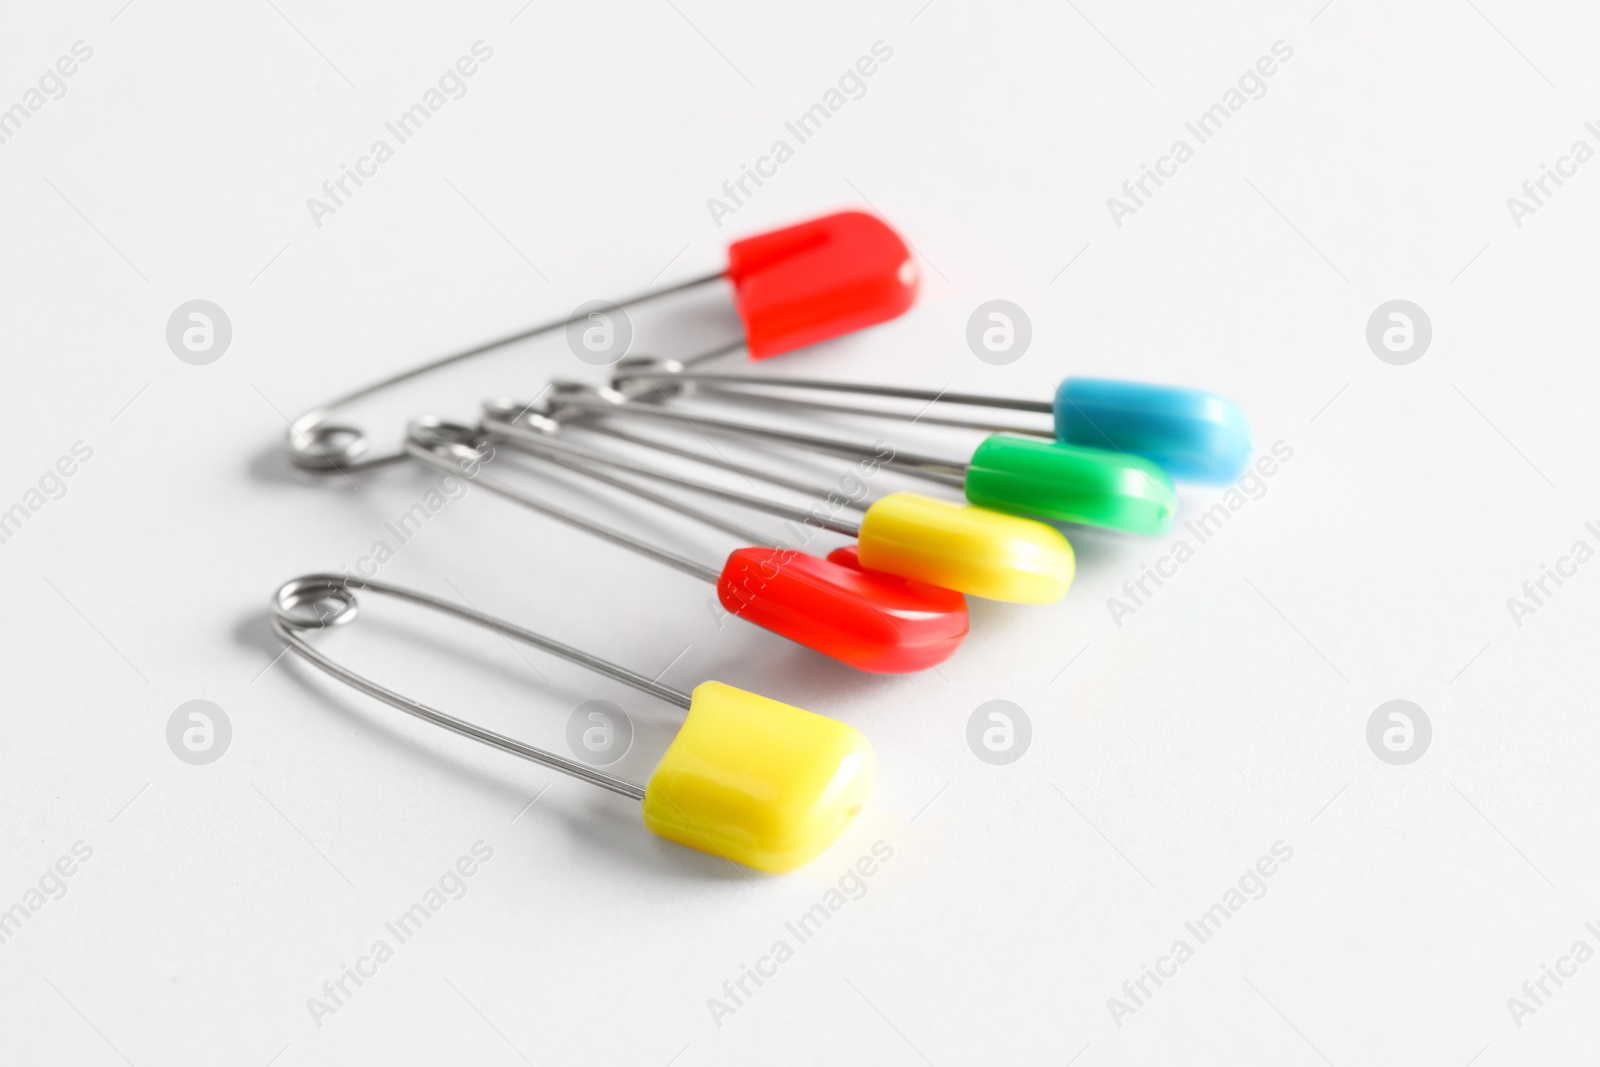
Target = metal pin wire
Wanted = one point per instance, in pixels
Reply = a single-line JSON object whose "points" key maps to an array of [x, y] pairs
{"points": [[745, 471], [315, 443], [434, 456], [520, 437], [932, 468], [896, 392], [435, 437], [314, 589], [735, 395], [747, 534]]}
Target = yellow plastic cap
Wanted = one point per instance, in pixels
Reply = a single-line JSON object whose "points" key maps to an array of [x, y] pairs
{"points": [[966, 548], [765, 784]]}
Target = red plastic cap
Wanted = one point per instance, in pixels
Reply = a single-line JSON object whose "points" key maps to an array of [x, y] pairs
{"points": [[830, 276], [872, 621]]}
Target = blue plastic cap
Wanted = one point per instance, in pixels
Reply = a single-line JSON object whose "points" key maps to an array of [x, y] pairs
{"points": [[1193, 435]]}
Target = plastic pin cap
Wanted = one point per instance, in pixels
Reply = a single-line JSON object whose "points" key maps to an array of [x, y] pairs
{"points": [[808, 283], [758, 782], [1193, 435], [1069, 483], [969, 549], [872, 621]]}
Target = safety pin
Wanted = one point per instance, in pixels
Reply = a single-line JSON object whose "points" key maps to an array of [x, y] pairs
{"points": [[1191, 434], [747, 778], [794, 286], [961, 547], [869, 620], [1020, 475]]}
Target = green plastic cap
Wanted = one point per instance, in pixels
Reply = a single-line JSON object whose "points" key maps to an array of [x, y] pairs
{"points": [[1070, 483]]}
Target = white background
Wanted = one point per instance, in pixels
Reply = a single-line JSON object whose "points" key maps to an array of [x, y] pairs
{"points": [[1168, 754]]}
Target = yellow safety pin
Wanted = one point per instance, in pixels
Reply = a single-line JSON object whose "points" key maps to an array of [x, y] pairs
{"points": [[748, 778]]}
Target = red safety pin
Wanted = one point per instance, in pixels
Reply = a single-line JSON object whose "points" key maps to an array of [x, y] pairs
{"points": [[792, 287], [876, 622]]}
